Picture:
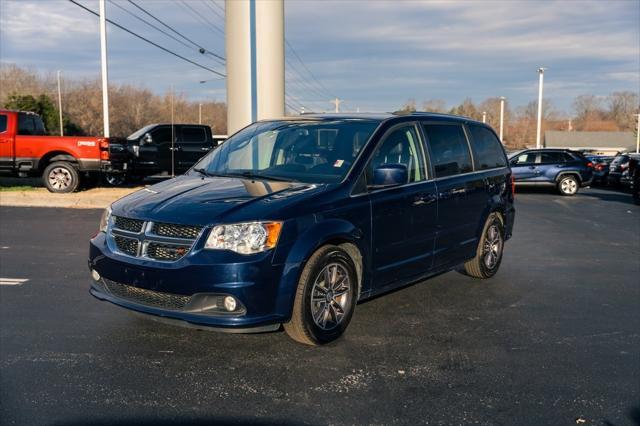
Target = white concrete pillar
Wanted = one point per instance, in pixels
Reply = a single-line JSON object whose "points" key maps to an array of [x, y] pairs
{"points": [[255, 61]]}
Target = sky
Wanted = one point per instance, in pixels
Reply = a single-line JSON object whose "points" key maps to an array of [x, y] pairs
{"points": [[373, 54]]}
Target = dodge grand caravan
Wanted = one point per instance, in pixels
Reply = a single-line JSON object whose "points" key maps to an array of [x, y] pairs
{"points": [[293, 221]]}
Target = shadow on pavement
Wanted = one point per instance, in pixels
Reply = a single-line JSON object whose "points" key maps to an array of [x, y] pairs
{"points": [[188, 421]]}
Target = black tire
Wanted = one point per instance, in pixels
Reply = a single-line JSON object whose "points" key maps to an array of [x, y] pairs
{"points": [[114, 179], [303, 327], [61, 177], [568, 185], [479, 266]]}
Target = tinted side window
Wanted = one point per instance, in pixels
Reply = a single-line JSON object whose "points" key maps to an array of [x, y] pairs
{"points": [[38, 126], [487, 149], [161, 134], [3, 122], [552, 157], [524, 158], [193, 135], [401, 146], [449, 149], [25, 125]]}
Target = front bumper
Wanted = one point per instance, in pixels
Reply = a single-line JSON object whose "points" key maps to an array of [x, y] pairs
{"points": [[254, 282]]}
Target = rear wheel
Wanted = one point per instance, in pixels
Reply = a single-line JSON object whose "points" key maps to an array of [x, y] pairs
{"points": [[489, 252], [325, 298], [61, 177], [114, 179], [568, 185]]}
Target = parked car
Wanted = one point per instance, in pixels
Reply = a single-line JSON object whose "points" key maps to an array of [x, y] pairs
{"points": [[164, 149], [293, 221], [619, 170], [25, 150], [600, 168], [563, 169]]}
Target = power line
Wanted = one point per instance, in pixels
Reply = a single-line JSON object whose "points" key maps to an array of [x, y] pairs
{"points": [[149, 41], [201, 49], [215, 3], [214, 10], [307, 68], [202, 19]]}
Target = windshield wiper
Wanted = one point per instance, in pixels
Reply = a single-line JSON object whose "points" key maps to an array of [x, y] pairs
{"points": [[251, 175], [204, 172]]}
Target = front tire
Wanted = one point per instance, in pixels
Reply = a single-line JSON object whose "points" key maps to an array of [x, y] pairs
{"points": [[325, 299], [568, 186], [61, 177], [489, 252]]}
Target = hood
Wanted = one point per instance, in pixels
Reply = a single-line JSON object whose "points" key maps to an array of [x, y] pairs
{"points": [[198, 200]]}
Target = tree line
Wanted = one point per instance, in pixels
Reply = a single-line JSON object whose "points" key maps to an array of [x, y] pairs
{"points": [[130, 107], [614, 112]]}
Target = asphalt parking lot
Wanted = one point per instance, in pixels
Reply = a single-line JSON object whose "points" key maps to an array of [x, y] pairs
{"points": [[554, 338]]}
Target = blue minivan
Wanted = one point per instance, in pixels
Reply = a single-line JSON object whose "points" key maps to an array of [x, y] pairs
{"points": [[293, 221]]}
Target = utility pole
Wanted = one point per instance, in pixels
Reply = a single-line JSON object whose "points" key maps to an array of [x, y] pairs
{"points": [[173, 138], [484, 116], [502, 98], [200, 113], [638, 136], [337, 103], [60, 105], [103, 58], [539, 129]]}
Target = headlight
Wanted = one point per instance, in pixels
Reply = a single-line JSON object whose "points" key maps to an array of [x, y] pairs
{"points": [[244, 238], [104, 220]]}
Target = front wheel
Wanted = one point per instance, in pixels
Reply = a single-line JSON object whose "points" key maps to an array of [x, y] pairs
{"points": [[61, 177], [325, 298], [489, 252], [568, 185]]}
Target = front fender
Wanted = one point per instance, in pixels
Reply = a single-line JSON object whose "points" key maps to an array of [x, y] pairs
{"points": [[321, 233]]}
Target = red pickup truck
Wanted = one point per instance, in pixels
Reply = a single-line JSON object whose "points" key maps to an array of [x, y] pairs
{"points": [[61, 161]]}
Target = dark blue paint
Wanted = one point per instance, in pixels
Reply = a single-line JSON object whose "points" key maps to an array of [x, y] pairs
{"points": [[403, 233]]}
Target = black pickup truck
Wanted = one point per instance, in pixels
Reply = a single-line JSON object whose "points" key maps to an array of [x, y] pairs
{"points": [[160, 149]]}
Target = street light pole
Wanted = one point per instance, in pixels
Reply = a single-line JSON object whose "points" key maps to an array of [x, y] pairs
{"points": [[200, 113], [60, 105], [502, 98], [103, 58], [539, 129], [638, 136], [484, 116]]}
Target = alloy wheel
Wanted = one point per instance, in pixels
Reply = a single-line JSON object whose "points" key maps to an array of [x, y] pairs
{"points": [[569, 186], [60, 178], [330, 296], [492, 247]]}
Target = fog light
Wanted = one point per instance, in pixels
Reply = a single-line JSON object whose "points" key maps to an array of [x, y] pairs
{"points": [[95, 275], [230, 303]]}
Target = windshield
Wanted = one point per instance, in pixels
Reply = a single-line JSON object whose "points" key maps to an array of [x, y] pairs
{"points": [[311, 151], [138, 133]]}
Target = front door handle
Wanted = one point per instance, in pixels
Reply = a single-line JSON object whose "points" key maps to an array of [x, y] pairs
{"points": [[424, 199], [204, 148]]}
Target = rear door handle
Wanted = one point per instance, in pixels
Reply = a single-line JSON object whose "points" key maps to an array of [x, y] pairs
{"points": [[204, 148]]}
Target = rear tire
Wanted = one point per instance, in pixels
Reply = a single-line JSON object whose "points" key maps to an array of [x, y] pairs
{"points": [[114, 179], [568, 185], [325, 298], [489, 252], [61, 177]]}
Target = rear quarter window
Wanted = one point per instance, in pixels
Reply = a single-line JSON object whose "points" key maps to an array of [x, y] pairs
{"points": [[487, 149]]}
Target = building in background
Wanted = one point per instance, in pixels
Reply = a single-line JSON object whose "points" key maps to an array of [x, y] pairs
{"points": [[601, 143]]}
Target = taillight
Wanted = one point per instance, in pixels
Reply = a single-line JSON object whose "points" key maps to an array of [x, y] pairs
{"points": [[104, 143], [590, 165], [104, 155], [513, 185], [599, 167]]}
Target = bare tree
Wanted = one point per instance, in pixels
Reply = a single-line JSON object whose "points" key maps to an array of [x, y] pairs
{"points": [[434, 105], [622, 107]]}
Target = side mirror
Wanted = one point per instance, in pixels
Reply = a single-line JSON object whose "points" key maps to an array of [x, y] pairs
{"points": [[390, 175], [146, 139]]}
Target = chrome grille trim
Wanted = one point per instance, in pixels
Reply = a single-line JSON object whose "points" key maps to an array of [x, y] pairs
{"points": [[157, 241]]}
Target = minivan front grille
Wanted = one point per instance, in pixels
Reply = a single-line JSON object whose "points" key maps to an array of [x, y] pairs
{"points": [[176, 231], [126, 224], [142, 296], [164, 242], [170, 252], [127, 245]]}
